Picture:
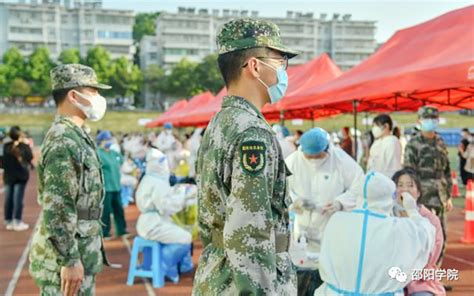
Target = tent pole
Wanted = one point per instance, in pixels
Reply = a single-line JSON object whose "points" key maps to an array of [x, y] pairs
{"points": [[312, 118], [354, 105], [282, 118], [366, 121]]}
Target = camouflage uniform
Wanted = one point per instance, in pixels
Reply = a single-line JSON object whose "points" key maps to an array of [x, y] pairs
{"points": [[242, 197], [70, 192], [429, 157]]}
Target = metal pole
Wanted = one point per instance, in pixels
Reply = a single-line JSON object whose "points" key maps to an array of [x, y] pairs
{"points": [[282, 118], [354, 105], [312, 118]]}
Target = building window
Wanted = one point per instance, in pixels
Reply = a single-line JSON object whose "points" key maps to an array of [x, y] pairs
{"points": [[153, 56], [114, 35]]}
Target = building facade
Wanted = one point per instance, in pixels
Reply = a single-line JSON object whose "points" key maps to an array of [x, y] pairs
{"points": [[191, 34], [63, 24]]}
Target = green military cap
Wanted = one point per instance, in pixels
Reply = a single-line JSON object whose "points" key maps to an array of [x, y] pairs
{"points": [[74, 75], [249, 33], [428, 112]]}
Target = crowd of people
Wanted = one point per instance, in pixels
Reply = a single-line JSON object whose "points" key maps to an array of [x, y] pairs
{"points": [[277, 213]]}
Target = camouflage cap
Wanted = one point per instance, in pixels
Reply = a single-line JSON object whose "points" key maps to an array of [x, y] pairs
{"points": [[428, 112], [74, 75], [249, 33]]}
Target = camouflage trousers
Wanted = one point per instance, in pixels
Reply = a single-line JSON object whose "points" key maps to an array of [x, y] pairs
{"points": [[87, 288], [443, 218]]}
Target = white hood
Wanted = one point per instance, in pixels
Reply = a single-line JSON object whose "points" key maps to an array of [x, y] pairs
{"points": [[379, 191], [157, 163]]}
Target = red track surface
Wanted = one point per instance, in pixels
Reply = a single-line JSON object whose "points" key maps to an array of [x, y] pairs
{"points": [[112, 281]]}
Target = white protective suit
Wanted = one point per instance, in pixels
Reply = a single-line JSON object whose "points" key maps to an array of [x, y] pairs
{"points": [[287, 147], [166, 142], [363, 249], [385, 156], [335, 179], [157, 201]]}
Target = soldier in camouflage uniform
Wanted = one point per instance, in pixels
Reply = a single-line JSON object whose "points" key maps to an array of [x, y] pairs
{"points": [[427, 154], [242, 197], [67, 249]]}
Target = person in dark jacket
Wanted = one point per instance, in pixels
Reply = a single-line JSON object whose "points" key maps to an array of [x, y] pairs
{"points": [[17, 157]]}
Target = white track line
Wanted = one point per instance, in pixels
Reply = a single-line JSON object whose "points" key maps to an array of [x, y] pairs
{"points": [[20, 264], [148, 286], [459, 259]]}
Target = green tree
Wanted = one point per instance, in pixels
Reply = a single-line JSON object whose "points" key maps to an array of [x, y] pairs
{"points": [[208, 74], [154, 80], [15, 64], [19, 88], [70, 56], [99, 59], [145, 24], [37, 71], [4, 89], [126, 78], [182, 81]]}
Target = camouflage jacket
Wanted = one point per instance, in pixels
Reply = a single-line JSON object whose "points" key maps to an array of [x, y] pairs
{"points": [[70, 180], [429, 157], [242, 206]]}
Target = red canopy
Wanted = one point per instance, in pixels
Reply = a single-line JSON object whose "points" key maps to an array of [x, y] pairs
{"points": [[429, 63], [301, 77], [194, 103], [202, 115], [164, 117]]}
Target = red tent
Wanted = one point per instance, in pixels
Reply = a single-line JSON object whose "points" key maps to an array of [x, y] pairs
{"points": [[307, 76], [164, 117], [194, 103], [429, 63], [202, 115], [315, 72]]}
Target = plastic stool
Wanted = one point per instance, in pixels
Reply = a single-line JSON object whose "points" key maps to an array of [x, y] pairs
{"points": [[153, 271]]}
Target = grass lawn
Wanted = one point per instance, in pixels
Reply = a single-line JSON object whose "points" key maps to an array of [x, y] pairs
{"points": [[127, 121]]}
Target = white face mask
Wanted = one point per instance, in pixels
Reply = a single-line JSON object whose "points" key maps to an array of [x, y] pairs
{"points": [[317, 162], [96, 110], [377, 131]]}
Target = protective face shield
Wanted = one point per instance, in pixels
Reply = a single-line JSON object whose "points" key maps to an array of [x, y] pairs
{"points": [[377, 131], [157, 163], [278, 90], [429, 124], [96, 110]]}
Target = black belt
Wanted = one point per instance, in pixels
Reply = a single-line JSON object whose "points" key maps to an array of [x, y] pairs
{"points": [[282, 241], [89, 214]]}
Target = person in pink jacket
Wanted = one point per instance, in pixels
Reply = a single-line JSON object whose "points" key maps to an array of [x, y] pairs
{"points": [[407, 181]]}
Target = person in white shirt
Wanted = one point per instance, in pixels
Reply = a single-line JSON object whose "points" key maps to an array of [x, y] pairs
{"points": [[323, 181], [385, 155], [368, 251], [286, 146]]}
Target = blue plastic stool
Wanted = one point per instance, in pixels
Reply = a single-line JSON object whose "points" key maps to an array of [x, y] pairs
{"points": [[154, 271]]}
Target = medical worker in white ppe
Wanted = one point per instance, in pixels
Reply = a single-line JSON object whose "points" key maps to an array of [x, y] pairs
{"points": [[385, 154], [323, 181], [166, 141], [158, 201], [369, 252]]}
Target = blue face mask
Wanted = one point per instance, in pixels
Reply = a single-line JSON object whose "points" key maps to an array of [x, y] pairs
{"points": [[278, 90], [108, 144], [429, 125]]}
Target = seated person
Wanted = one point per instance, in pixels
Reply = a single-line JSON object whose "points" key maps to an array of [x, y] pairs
{"points": [[408, 182]]}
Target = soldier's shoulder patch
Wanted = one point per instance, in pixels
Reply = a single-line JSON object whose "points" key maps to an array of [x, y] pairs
{"points": [[252, 156]]}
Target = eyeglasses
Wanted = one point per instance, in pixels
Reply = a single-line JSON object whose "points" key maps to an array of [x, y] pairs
{"points": [[283, 61]]}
